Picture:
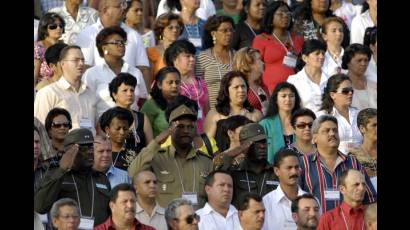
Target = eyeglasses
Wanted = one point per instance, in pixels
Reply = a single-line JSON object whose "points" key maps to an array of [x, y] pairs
{"points": [[60, 125], [227, 30], [117, 43], [66, 217], [303, 125], [170, 27], [190, 219], [346, 90], [53, 26], [77, 60]]}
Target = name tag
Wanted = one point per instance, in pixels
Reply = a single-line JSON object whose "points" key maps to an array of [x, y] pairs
{"points": [[44, 218], [332, 194], [289, 60], [86, 223], [288, 225], [199, 116], [85, 123], [191, 196], [272, 182], [197, 42], [374, 182], [103, 186]]}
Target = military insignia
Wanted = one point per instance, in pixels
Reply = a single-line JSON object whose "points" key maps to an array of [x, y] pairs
{"points": [[204, 174], [165, 172], [164, 187]]}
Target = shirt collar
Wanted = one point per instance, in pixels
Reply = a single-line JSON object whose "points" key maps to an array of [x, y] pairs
{"points": [[316, 155], [279, 194], [208, 210], [347, 209], [157, 209], [108, 224], [191, 154], [63, 83]]}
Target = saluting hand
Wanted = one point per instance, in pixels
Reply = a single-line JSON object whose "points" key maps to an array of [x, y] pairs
{"points": [[68, 158], [163, 136]]}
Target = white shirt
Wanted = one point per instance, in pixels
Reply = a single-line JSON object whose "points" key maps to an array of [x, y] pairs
{"points": [[135, 54], [349, 133], [371, 72], [86, 16], [98, 78], [330, 65], [278, 214], [36, 22], [81, 105], [365, 98], [309, 92], [347, 12], [212, 220], [206, 9], [359, 25]]}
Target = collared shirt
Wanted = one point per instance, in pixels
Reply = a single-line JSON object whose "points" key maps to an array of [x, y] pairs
{"points": [[349, 133], [135, 54], [206, 9], [80, 105], [332, 65], [310, 93], [99, 77], [46, 5], [316, 178], [358, 27], [73, 26], [343, 217], [156, 220], [212, 220], [109, 225], [278, 214], [117, 176], [175, 175]]}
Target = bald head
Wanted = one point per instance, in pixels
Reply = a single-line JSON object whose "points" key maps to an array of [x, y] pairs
{"points": [[145, 183]]}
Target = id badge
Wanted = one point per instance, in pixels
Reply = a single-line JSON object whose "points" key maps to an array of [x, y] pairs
{"points": [[332, 194], [85, 123], [44, 218], [191, 196], [197, 42], [289, 60], [199, 116], [289, 225], [86, 223], [374, 182]]}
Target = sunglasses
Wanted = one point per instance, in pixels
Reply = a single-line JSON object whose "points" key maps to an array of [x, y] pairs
{"points": [[346, 90], [190, 219], [303, 125], [118, 43], [60, 125], [53, 26]]}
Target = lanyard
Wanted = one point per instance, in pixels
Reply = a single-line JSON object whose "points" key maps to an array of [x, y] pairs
{"points": [[78, 196], [249, 187], [344, 220], [197, 31], [180, 177], [198, 93], [290, 39], [134, 130], [250, 28], [116, 158], [217, 63]]}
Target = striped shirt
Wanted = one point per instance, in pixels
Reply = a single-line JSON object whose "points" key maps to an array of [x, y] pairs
{"points": [[212, 71], [316, 178]]}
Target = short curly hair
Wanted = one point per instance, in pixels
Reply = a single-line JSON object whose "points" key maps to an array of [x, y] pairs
{"points": [[163, 21], [102, 36]]}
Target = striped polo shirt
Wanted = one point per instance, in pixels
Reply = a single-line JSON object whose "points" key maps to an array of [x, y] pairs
{"points": [[316, 178]]}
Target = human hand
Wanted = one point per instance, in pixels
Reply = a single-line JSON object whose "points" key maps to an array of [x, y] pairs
{"points": [[68, 158]]}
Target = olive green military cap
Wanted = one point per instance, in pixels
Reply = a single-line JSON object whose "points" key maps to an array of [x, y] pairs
{"points": [[79, 136], [252, 132], [180, 111]]}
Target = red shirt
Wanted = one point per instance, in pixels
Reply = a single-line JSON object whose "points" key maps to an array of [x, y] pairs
{"points": [[333, 220], [108, 225]]}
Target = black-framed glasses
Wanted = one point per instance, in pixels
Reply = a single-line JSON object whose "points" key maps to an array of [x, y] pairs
{"points": [[346, 90], [303, 125], [60, 125], [190, 219], [53, 26], [117, 43]]}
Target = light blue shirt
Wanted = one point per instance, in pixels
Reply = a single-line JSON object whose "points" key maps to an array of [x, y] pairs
{"points": [[117, 176]]}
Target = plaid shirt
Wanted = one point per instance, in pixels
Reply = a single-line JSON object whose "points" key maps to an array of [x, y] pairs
{"points": [[316, 178]]}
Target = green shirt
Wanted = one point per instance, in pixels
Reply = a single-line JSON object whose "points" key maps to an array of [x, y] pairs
{"points": [[235, 17], [156, 116], [174, 174]]}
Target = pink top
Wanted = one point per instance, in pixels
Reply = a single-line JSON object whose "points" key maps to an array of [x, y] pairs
{"points": [[197, 91], [45, 71]]}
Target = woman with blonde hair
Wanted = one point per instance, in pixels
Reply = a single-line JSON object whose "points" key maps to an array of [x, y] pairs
{"points": [[248, 61]]}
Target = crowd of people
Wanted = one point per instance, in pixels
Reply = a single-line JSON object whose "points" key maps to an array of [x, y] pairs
{"points": [[205, 114]]}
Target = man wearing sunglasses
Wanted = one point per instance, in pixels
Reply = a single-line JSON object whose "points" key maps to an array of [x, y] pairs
{"points": [[75, 179], [180, 215]]}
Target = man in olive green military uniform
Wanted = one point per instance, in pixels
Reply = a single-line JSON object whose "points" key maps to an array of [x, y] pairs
{"points": [[254, 173], [76, 179], [179, 168]]}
